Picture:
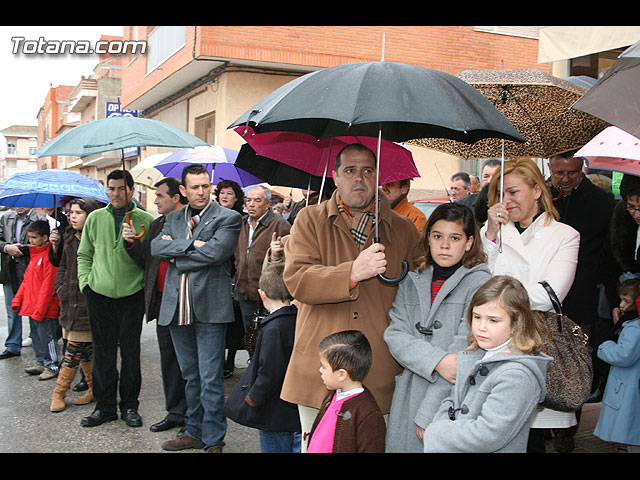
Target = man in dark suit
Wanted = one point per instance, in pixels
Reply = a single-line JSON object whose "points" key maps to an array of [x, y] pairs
{"points": [[168, 199], [196, 304], [588, 209]]}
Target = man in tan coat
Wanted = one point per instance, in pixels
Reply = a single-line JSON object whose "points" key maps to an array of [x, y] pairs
{"points": [[331, 271]]}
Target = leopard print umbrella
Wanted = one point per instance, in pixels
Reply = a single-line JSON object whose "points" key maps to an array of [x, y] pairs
{"points": [[537, 105]]}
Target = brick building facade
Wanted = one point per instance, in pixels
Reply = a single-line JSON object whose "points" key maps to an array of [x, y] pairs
{"points": [[206, 76]]}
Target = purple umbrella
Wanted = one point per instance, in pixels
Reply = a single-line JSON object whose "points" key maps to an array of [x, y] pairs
{"points": [[216, 159]]}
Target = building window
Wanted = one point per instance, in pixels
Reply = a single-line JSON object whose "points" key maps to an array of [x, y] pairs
{"points": [[33, 147], [594, 65], [163, 42], [11, 148], [205, 128]]}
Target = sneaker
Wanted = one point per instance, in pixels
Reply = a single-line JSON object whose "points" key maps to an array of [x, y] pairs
{"points": [[35, 370], [27, 342], [48, 374]]}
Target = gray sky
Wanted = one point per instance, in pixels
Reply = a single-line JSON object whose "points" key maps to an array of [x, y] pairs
{"points": [[25, 78]]}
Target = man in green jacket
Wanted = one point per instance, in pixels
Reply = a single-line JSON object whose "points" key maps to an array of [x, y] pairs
{"points": [[113, 288]]}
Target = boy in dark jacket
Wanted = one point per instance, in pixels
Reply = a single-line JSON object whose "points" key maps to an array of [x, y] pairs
{"points": [[349, 420], [255, 401], [35, 299]]}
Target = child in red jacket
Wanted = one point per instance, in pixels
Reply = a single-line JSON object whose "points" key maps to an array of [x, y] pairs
{"points": [[35, 299]]}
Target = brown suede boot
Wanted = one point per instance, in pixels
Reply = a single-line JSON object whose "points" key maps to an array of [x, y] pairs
{"points": [[88, 395], [65, 377]]}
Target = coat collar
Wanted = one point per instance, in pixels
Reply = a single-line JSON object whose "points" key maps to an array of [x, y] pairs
{"points": [[287, 310], [265, 219], [517, 241], [422, 282], [384, 214]]}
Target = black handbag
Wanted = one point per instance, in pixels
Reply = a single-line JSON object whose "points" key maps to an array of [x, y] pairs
{"points": [[570, 374]]}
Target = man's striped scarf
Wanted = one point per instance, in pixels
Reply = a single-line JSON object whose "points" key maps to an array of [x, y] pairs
{"points": [[184, 310], [360, 226]]}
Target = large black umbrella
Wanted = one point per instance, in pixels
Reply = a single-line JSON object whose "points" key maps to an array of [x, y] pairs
{"points": [[404, 101], [389, 100], [615, 98]]}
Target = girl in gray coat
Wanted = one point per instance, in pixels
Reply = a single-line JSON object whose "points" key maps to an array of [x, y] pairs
{"points": [[501, 376], [427, 327]]}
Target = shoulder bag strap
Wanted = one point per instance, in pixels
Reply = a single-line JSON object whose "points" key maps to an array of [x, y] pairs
{"points": [[555, 301]]}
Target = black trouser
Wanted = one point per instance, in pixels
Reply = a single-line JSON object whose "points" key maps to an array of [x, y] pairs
{"points": [[115, 322], [172, 381]]}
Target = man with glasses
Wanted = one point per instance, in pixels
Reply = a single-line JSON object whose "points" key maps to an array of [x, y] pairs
{"points": [[588, 209]]}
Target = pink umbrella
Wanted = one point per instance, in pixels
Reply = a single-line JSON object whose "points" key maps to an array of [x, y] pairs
{"points": [[613, 149], [318, 157]]}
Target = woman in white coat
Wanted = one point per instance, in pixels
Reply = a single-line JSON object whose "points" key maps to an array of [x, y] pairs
{"points": [[523, 238]]}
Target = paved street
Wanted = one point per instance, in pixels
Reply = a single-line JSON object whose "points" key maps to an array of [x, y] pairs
{"points": [[27, 425]]}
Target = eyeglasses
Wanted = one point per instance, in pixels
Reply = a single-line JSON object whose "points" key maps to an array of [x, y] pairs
{"points": [[570, 174], [632, 209], [390, 186]]}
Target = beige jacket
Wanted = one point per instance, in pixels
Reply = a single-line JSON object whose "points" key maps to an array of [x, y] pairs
{"points": [[319, 254]]}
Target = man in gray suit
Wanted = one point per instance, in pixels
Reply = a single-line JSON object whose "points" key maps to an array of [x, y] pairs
{"points": [[196, 304]]}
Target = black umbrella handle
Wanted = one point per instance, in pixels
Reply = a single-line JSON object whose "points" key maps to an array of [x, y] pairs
{"points": [[399, 278]]}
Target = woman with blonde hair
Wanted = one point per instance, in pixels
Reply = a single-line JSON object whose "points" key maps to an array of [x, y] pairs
{"points": [[524, 239]]}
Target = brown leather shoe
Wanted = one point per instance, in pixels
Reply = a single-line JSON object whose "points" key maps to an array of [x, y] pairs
{"points": [[182, 442], [215, 450]]}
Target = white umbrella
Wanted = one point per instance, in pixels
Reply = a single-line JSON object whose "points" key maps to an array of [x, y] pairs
{"points": [[145, 172]]}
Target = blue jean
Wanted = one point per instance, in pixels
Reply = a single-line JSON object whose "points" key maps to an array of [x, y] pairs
{"points": [[200, 351], [44, 342], [280, 442], [13, 343]]}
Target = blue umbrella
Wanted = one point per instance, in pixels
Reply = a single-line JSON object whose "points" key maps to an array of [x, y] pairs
{"points": [[44, 188]]}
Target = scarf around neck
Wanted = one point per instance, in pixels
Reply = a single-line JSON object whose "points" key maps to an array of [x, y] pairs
{"points": [[184, 298]]}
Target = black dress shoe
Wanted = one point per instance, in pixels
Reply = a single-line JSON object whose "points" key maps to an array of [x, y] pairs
{"points": [[165, 424], [132, 418], [81, 386], [98, 417], [8, 354]]}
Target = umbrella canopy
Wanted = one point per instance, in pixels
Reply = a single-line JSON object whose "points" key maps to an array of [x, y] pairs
{"points": [[615, 98], [360, 99], [537, 104], [227, 171], [173, 165], [216, 159], [276, 173], [44, 188], [145, 173], [613, 149], [317, 157], [115, 133]]}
